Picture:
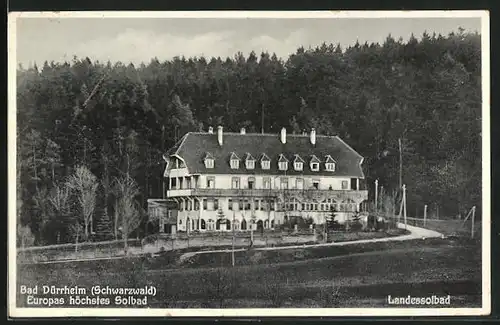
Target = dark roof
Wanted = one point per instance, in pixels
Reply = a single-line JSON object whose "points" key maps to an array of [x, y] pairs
{"points": [[193, 148]]}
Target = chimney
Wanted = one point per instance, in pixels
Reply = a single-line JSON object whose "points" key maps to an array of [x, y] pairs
{"points": [[313, 136], [219, 135], [242, 131], [283, 135], [210, 130]]}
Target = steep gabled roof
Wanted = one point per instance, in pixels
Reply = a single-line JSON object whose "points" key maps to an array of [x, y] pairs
{"points": [[329, 159], [248, 156], [194, 145], [208, 155], [314, 159], [298, 159], [264, 157], [234, 156], [282, 158]]}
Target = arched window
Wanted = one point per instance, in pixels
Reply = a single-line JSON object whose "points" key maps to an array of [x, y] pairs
{"points": [[211, 224], [236, 225], [266, 224], [203, 224], [228, 224], [272, 223], [243, 224]]}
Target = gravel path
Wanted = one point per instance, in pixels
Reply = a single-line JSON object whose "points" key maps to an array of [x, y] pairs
{"points": [[415, 233]]}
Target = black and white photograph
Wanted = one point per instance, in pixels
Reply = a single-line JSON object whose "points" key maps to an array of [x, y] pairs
{"points": [[237, 163]]}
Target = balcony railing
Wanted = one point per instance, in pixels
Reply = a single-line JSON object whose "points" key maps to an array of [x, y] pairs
{"points": [[271, 193]]}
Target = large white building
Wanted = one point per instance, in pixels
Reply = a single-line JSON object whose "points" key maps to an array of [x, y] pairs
{"points": [[257, 179]]}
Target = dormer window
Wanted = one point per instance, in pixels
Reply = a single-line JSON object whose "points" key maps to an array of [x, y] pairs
{"points": [[314, 164], [209, 160], [250, 164], [265, 162], [234, 161], [298, 163], [249, 161], [330, 163], [282, 163]]}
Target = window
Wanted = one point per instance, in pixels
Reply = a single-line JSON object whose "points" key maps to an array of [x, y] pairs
{"points": [[271, 205], [211, 182], [240, 204], [315, 184], [209, 163], [314, 166], [283, 165], [298, 165], [235, 164], [230, 204], [299, 183], [173, 183], [247, 205], [256, 204], [265, 164], [188, 182], [251, 182], [235, 183], [262, 204], [188, 205], [267, 182], [284, 183], [250, 164], [303, 207], [345, 185], [354, 183], [196, 205], [205, 204], [203, 224], [330, 167], [211, 224], [216, 204]]}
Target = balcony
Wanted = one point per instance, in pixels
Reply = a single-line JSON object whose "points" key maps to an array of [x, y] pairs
{"points": [[315, 194]]}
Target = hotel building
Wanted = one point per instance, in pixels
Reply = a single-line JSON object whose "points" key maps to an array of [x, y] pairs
{"points": [[216, 181]]}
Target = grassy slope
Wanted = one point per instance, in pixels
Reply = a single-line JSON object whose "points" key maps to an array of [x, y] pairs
{"points": [[320, 277]]}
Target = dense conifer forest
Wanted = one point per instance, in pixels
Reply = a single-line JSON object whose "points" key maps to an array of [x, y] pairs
{"points": [[90, 135]]}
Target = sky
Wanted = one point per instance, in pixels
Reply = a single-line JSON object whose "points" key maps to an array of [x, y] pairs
{"points": [[139, 40]]}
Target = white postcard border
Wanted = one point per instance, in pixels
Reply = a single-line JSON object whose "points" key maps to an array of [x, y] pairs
{"points": [[251, 312]]}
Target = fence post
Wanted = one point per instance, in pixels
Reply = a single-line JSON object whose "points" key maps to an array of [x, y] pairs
{"points": [[425, 214], [376, 195], [473, 217]]}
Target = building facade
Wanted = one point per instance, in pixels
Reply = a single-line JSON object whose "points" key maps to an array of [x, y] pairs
{"points": [[223, 181]]}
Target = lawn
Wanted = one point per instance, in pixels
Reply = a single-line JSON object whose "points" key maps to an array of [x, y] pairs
{"points": [[354, 276]]}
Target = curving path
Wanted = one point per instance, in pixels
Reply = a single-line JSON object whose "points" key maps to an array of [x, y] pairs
{"points": [[415, 233]]}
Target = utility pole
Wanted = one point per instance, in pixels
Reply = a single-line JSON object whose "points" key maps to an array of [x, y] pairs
{"points": [[425, 214], [404, 202], [400, 164], [473, 220], [376, 196]]}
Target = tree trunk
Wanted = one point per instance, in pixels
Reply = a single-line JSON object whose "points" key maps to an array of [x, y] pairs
{"points": [[86, 230], [34, 166], [76, 241]]}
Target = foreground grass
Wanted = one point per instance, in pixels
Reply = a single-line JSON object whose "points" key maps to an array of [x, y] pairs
{"points": [[315, 277]]}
